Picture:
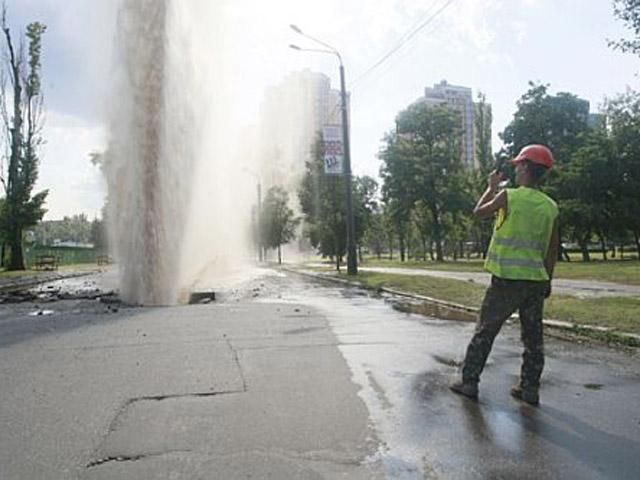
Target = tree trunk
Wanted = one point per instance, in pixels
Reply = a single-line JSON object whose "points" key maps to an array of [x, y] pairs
{"points": [[16, 259], [402, 247], [622, 251], [584, 249], [636, 235], [279, 254], [424, 249], [603, 246], [431, 250], [437, 233], [439, 254]]}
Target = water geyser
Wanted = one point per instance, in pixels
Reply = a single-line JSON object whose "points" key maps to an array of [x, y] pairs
{"points": [[163, 184]]}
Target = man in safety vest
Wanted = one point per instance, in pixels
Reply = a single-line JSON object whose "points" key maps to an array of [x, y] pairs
{"points": [[521, 258]]}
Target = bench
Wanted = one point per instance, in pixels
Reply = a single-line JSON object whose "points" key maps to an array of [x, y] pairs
{"points": [[103, 259], [47, 262]]}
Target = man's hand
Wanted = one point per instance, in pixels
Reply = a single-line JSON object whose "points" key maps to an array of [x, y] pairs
{"points": [[547, 290], [495, 178]]}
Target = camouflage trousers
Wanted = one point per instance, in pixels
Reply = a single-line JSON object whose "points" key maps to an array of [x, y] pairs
{"points": [[502, 299]]}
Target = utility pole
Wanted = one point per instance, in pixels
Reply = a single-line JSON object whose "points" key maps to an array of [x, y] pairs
{"points": [[352, 259], [259, 217]]}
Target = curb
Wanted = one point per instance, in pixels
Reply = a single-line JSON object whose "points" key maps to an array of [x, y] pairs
{"points": [[627, 338]]}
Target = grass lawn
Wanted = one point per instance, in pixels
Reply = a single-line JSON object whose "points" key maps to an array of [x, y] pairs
{"points": [[620, 313]]}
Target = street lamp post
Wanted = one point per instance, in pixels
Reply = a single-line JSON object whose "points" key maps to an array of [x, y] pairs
{"points": [[258, 224], [352, 260], [261, 255]]}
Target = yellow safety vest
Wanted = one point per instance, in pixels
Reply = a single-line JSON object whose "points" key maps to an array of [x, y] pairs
{"points": [[521, 236]]}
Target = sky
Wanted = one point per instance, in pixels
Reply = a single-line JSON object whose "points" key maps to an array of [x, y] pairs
{"points": [[492, 46]]}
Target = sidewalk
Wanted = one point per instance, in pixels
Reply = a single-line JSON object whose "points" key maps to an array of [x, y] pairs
{"points": [[210, 391]]}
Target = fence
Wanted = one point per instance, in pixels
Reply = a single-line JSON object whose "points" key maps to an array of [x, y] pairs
{"points": [[65, 255]]}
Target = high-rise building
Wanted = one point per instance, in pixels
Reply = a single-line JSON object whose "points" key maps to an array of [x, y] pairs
{"points": [[460, 99], [292, 114]]}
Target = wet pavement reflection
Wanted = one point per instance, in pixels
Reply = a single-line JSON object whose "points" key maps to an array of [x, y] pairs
{"points": [[587, 427]]}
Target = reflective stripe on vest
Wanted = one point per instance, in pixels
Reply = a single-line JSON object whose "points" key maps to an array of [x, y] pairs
{"points": [[516, 262], [519, 243]]}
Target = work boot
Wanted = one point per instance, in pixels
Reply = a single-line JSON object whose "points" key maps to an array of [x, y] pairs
{"points": [[467, 389], [528, 396]]}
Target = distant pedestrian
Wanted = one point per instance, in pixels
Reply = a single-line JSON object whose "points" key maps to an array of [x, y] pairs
{"points": [[521, 259]]}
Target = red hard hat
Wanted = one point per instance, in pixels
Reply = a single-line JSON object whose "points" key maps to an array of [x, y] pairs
{"points": [[537, 154]]}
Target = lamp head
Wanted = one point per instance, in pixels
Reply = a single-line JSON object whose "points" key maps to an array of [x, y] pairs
{"points": [[295, 28]]}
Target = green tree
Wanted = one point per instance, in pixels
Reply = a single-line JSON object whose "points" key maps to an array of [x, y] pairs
{"points": [[277, 221], [321, 199], [623, 122], [556, 121], [21, 209], [399, 189], [588, 191], [375, 235], [422, 161], [322, 202], [483, 119], [629, 12], [365, 189], [480, 229], [421, 218]]}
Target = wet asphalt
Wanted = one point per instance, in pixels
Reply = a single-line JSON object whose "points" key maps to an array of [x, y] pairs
{"points": [[587, 427], [289, 378]]}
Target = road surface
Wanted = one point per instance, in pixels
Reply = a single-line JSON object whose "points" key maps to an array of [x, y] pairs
{"points": [[287, 378]]}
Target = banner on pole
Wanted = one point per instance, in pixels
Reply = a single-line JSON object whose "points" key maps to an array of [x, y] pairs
{"points": [[333, 149]]}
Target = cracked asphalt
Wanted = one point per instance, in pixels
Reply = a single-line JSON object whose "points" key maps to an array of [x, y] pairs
{"points": [[284, 378]]}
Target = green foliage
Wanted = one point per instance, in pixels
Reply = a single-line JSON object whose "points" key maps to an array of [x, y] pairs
{"points": [[629, 12], [483, 118], [34, 34], [76, 229], [623, 119], [427, 196], [277, 220], [20, 208], [422, 169], [322, 200], [556, 121], [375, 235]]}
